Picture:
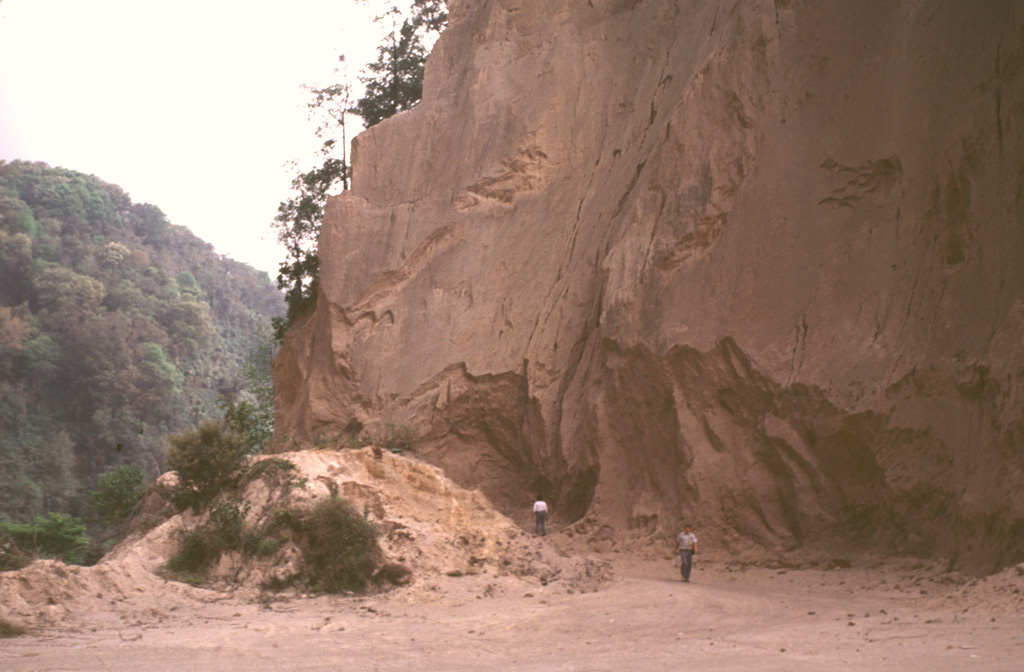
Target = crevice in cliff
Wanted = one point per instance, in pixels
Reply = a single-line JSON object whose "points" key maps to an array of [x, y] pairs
{"points": [[800, 343], [998, 94]]}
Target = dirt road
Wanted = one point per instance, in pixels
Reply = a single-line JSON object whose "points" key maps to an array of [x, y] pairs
{"points": [[864, 618]]}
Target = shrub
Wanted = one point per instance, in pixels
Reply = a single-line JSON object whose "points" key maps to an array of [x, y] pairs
{"points": [[274, 470], [117, 492], [198, 550], [200, 547], [98, 547], [253, 422], [11, 557], [227, 520], [208, 460], [396, 438], [50, 535], [339, 547], [203, 545]]}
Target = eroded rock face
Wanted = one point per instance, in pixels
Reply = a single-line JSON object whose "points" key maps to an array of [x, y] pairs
{"points": [[756, 265]]}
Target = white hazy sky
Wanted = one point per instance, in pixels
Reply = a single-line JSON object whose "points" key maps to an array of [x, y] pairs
{"points": [[194, 106]]}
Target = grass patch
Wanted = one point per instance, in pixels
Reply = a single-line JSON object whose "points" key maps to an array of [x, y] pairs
{"points": [[8, 629]]}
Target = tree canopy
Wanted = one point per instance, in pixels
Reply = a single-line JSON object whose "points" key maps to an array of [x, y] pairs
{"points": [[116, 329]]}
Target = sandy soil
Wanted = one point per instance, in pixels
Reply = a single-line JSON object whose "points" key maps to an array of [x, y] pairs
{"points": [[896, 615], [486, 595]]}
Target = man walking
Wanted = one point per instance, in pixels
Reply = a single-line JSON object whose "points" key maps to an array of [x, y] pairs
{"points": [[540, 511], [686, 546]]}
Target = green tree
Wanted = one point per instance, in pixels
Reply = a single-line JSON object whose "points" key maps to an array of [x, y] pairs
{"points": [[298, 218], [159, 381], [13, 334], [41, 357], [65, 298], [16, 216], [117, 492], [54, 457], [187, 322], [113, 255], [254, 419], [21, 496], [394, 82], [187, 283], [50, 535], [108, 342], [298, 226], [207, 461], [15, 268]]}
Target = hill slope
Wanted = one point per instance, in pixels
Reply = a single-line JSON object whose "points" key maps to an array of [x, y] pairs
{"points": [[116, 327]]}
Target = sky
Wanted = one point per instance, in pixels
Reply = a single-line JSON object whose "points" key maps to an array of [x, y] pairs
{"points": [[194, 106]]}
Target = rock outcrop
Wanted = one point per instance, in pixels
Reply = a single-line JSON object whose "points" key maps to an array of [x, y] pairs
{"points": [[757, 265]]}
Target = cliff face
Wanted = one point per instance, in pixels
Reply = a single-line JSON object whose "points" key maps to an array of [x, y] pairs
{"points": [[757, 265]]}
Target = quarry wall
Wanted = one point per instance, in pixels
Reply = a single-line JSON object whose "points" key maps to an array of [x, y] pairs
{"points": [[754, 265]]}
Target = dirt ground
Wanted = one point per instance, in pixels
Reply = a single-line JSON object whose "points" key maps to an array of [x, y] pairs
{"points": [[876, 615]]}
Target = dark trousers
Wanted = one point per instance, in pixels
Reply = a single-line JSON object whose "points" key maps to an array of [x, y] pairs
{"points": [[539, 527], [686, 564]]}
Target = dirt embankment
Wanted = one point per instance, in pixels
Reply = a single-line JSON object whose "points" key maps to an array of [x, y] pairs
{"points": [[428, 525], [484, 593]]}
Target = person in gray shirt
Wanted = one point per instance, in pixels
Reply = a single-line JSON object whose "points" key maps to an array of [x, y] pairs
{"points": [[686, 546]]}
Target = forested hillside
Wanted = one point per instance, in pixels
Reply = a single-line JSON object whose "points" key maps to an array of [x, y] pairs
{"points": [[116, 328]]}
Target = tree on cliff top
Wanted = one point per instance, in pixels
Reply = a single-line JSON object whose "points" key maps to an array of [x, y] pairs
{"points": [[298, 226], [394, 83], [395, 80]]}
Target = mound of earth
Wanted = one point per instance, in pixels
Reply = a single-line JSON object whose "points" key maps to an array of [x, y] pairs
{"points": [[432, 527]]}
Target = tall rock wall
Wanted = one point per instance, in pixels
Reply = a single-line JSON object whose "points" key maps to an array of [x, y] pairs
{"points": [[757, 265]]}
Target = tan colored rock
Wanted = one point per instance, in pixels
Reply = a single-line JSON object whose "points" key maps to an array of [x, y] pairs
{"points": [[752, 264]]}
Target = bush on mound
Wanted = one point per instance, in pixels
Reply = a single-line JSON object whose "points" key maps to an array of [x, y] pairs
{"points": [[339, 547], [332, 548], [208, 461]]}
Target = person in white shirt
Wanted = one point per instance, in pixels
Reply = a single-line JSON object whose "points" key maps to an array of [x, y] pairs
{"points": [[540, 512], [686, 546]]}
